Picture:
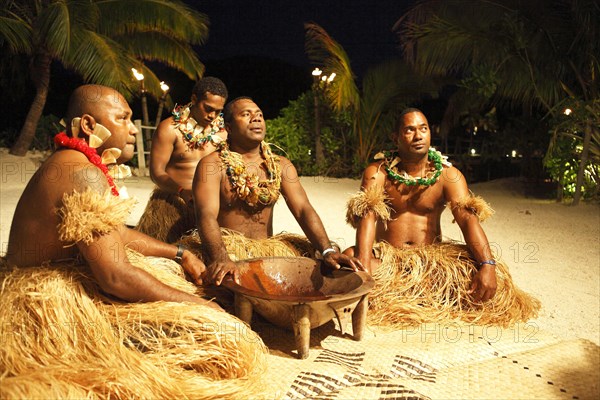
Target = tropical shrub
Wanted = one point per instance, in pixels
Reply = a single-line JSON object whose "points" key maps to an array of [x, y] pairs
{"points": [[292, 133], [564, 154]]}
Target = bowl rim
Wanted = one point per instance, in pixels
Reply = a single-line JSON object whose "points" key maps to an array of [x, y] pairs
{"points": [[367, 284]]}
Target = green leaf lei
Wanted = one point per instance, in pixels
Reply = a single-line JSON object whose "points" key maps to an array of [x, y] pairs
{"points": [[391, 159]]}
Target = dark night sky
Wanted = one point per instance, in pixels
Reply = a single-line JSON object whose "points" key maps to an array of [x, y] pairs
{"points": [[250, 32], [257, 48], [275, 28]]}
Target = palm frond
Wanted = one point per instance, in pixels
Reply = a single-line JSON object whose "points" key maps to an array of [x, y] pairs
{"points": [[154, 46], [84, 14], [387, 88], [323, 50], [394, 83], [15, 35], [53, 29], [537, 46], [20, 10], [172, 18], [100, 60]]}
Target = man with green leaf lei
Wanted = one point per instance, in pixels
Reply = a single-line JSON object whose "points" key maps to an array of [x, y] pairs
{"points": [[235, 190], [397, 217]]}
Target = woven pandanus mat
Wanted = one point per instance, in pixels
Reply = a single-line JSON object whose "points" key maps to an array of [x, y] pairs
{"points": [[433, 362]]}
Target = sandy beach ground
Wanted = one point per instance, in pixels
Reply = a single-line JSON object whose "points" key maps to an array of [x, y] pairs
{"points": [[553, 250]]}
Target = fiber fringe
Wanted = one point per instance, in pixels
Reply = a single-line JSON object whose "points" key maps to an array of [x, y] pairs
{"points": [[166, 217], [372, 199], [86, 215], [430, 284], [62, 338], [240, 247], [476, 205]]}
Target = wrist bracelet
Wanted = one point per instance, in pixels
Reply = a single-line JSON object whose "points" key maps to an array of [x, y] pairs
{"points": [[327, 251], [490, 262], [178, 257]]}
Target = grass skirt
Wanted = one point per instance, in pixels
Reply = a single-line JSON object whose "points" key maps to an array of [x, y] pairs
{"points": [[62, 338], [430, 284], [240, 247], [167, 217]]}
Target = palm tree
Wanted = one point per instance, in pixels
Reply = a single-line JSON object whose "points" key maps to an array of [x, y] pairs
{"points": [[536, 54], [385, 88], [101, 40]]}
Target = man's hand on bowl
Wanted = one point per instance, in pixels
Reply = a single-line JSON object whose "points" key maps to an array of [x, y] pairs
{"points": [[336, 260]]}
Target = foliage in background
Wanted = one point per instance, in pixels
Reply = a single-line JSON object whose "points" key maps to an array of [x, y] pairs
{"points": [[533, 54], [48, 126], [293, 133], [43, 140], [566, 146], [386, 89], [100, 40]]}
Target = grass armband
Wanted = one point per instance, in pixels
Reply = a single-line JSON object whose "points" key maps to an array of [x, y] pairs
{"points": [[372, 199], [89, 214], [476, 205]]}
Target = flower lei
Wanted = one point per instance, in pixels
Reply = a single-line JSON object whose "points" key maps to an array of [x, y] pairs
{"points": [[248, 187], [192, 132], [391, 159], [80, 145]]}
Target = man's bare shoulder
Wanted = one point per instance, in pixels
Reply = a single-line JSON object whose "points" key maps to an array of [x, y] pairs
{"points": [[374, 166], [63, 172], [78, 173], [284, 160], [214, 157], [373, 172], [209, 165], [166, 127], [452, 176], [289, 173]]}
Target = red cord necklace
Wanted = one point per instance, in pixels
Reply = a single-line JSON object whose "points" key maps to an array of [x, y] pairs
{"points": [[80, 145]]}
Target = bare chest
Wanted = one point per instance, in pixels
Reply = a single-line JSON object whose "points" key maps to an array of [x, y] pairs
{"points": [[417, 199], [185, 152]]}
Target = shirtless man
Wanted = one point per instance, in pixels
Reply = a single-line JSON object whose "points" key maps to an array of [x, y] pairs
{"points": [[102, 117], [416, 207], [179, 142], [245, 208]]}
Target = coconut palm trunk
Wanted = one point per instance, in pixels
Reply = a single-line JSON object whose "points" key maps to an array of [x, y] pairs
{"points": [[40, 73], [319, 153], [100, 41]]}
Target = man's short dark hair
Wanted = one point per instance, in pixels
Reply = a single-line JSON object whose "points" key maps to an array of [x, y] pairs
{"points": [[228, 112], [210, 84], [403, 113]]}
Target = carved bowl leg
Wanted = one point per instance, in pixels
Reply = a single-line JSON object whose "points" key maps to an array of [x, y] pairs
{"points": [[301, 325]]}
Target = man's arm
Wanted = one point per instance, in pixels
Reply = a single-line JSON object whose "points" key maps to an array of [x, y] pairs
{"points": [[118, 277], [307, 217], [365, 232], [206, 193], [163, 145], [115, 274], [484, 283], [149, 246]]}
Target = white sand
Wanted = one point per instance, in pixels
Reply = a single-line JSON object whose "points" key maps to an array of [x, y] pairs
{"points": [[553, 250]]}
